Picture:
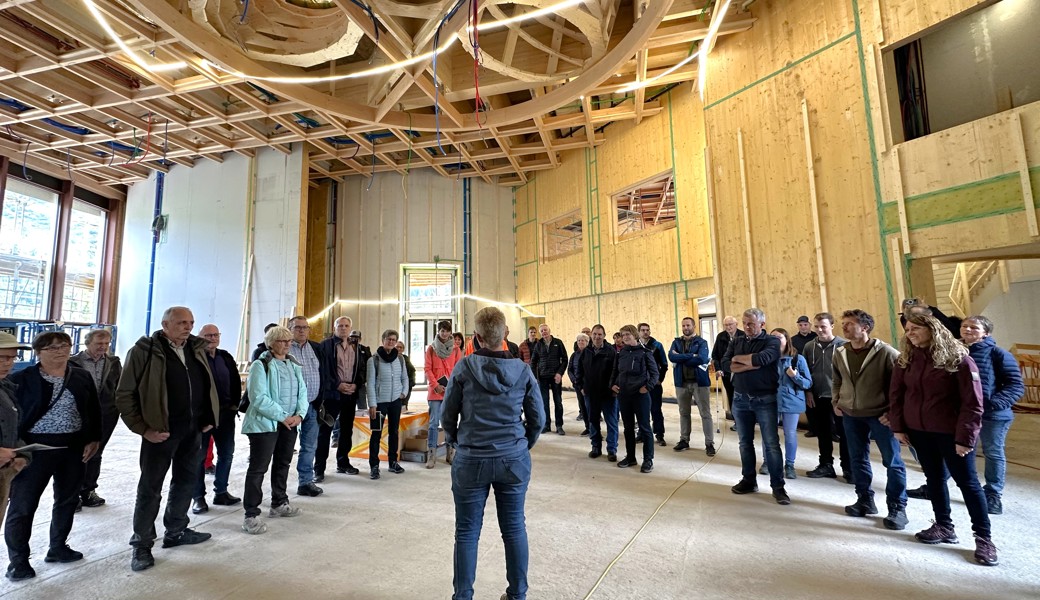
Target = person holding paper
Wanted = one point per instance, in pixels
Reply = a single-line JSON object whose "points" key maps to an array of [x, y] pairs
{"points": [[12, 459], [387, 387], [58, 406]]}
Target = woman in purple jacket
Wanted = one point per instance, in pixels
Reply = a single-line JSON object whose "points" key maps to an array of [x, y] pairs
{"points": [[936, 406]]}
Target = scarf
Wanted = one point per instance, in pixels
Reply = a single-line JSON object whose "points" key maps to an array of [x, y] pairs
{"points": [[443, 349], [389, 357]]}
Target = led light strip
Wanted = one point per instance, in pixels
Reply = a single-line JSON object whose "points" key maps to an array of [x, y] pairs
{"points": [[713, 32], [338, 301], [157, 68]]}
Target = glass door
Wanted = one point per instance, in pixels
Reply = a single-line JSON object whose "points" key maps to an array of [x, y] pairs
{"points": [[431, 293]]}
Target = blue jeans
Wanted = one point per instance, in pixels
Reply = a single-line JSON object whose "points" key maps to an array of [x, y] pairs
{"points": [[748, 410], [790, 425], [859, 431], [308, 446], [436, 408], [471, 480], [224, 444], [992, 438], [603, 407]]}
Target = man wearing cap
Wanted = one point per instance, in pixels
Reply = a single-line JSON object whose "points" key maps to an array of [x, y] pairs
{"points": [[345, 366], [805, 334], [11, 462]]}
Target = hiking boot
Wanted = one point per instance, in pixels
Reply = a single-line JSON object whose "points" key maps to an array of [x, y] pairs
{"points": [[920, 493], [284, 510], [985, 552], [823, 470], [660, 441], [254, 526], [896, 519], [745, 486], [307, 490], [431, 458], [648, 465], [612, 457], [395, 468], [628, 461], [373, 473], [789, 472], [710, 450], [781, 497], [141, 559], [92, 500], [682, 445], [19, 571], [995, 506], [937, 533], [595, 453], [864, 506], [560, 431]]}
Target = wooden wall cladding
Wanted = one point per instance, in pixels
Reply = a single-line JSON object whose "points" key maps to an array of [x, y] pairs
{"points": [[900, 20]]}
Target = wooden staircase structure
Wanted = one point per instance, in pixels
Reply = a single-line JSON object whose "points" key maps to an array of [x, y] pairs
{"points": [[966, 288]]}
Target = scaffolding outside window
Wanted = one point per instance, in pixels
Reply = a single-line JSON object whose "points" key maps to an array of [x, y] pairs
{"points": [[646, 206], [85, 260], [562, 236], [27, 237]]}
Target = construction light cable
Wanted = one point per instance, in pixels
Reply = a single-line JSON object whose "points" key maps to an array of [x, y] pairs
{"points": [[646, 523], [707, 43], [339, 301]]}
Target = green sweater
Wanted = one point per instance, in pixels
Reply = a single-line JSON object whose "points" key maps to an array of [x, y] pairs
{"points": [[863, 392]]}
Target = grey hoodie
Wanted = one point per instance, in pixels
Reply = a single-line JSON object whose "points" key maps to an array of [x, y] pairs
{"points": [[492, 407], [819, 357]]}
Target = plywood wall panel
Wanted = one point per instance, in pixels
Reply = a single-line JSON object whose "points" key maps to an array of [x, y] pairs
{"points": [[905, 19]]}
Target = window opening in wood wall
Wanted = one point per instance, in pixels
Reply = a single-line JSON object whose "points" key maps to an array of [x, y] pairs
{"points": [[562, 236], [648, 205]]}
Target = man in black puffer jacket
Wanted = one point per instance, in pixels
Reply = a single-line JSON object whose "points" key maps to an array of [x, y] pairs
{"points": [[594, 371], [549, 363]]}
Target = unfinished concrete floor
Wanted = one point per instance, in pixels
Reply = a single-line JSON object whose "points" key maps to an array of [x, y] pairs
{"points": [[596, 531]]}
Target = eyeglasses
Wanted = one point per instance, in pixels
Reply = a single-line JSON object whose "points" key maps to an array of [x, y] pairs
{"points": [[56, 348], [211, 335], [10, 359], [301, 327]]}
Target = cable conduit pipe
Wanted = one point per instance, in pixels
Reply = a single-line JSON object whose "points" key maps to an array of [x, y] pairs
{"points": [[160, 184]]}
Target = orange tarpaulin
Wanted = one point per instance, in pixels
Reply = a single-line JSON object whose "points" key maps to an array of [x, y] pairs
{"points": [[411, 423]]}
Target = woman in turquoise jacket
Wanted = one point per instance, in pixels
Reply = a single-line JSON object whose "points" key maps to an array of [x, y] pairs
{"points": [[277, 406], [795, 379]]}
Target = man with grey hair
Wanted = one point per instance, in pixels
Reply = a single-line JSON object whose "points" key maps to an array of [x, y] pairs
{"points": [[730, 331], [346, 361], [312, 360], [104, 369], [752, 360], [167, 396]]}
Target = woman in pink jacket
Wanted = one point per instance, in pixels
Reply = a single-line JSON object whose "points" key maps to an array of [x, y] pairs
{"points": [[441, 357], [935, 404]]}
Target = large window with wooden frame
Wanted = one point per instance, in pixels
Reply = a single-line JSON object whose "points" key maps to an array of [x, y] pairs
{"points": [[562, 236], [28, 226], [648, 205]]}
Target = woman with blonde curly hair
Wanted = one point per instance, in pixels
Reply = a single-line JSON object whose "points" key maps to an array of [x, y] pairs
{"points": [[936, 406]]}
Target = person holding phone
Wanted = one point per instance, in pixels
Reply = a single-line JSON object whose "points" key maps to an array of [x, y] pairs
{"points": [[441, 357], [278, 403], [387, 389]]}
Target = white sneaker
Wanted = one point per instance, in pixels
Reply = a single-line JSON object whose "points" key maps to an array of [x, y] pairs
{"points": [[254, 526], [284, 511]]}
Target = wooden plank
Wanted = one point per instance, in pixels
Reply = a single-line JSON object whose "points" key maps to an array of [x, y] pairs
{"points": [[904, 231], [814, 206], [747, 218], [1022, 161], [896, 260]]}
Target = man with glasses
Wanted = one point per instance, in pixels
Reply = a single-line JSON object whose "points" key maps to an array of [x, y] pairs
{"points": [[312, 359], [105, 370], [229, 392], [167, 396], [11, 462]]}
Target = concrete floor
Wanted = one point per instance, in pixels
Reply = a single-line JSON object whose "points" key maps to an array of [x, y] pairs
{"points": [[596, 531]]}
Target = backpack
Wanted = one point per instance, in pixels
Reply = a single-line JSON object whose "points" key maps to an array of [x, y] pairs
{"points": [[243, 404]]}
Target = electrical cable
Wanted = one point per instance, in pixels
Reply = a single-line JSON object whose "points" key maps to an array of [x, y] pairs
{"points": [[372, 15], [25, 159], [166, 140], [68, 164], [245, 9], [148, 143], [474, 40], [371, 177], [436, 89]]}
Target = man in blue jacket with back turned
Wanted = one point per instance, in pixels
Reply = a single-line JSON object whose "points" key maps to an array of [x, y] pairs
{"points": [[692, 385]]}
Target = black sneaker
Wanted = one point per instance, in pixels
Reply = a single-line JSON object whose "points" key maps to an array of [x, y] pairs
{"points": [[710, 450], [745, 486], [985, 552], [628, 461], [63, 555], [225, 499], [396, 468], [19, 571], [996, 507], [896, 519], [185, 538], [374, 473], [142, 559], [821, 471], [648, 465], [611, 457], [863, 506], [349, 470], [92, 500], [306, 490], [595, 453], [682, 445], [547, 430], [920, 493], [660, 441], [937, 533], [560, 431], [781, 497], [319, 477], [584, 433]]}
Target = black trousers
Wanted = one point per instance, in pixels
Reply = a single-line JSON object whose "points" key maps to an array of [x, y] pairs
{"points": [[937, 453], [635, 409], [346, 405], [727, 384], [274, 449], [545, 385], [65, 466], [391, 420], [109, 420], [656, 414], [180, 452], [826, 424]]}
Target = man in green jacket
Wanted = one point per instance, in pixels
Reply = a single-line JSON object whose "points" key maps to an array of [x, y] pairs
{"points": [[167, 396], [859, 392]]}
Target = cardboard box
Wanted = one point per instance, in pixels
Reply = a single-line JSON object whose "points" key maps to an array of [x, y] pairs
{"points": [[418, 457]]}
